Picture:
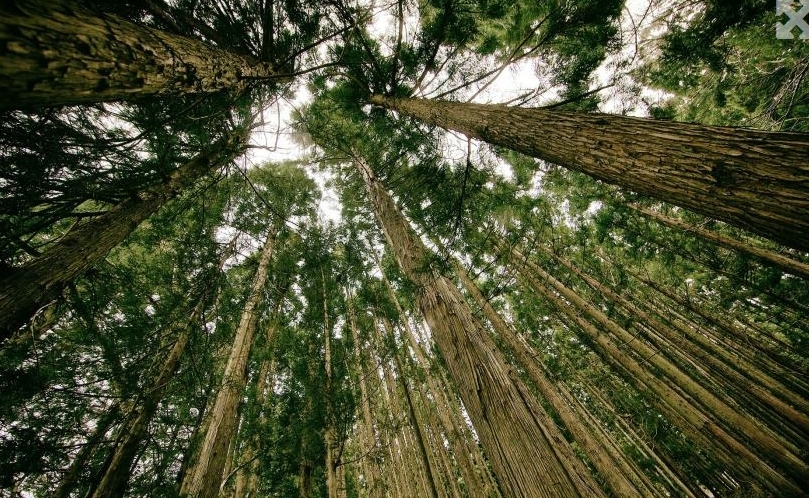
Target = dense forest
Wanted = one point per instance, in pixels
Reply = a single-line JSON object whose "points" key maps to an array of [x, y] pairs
{"points": [[445, 248]]}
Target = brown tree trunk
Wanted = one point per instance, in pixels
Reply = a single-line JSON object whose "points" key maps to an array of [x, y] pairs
{"points": [[621, 478], [79, 463], [519, 442], [681, 408], [756, 180], [464, 449], [26, 289], [116, 469], [247, 474], [415, 423], [205, 476], [786, 264], [368, 444], [725, 365], [56, 53], [330, 432]]}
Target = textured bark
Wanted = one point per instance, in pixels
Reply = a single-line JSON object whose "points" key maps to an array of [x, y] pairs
{"points": [[786, 264], [463, 448], [56, 53], [680, 408], [135, 428], [205, 475], [368, 445], [621, 478], [518, 441], [687, 488], [247, 475], [80, 462], [31, 286], [415, 423], [739, 373], [756, 180], [330, 432], [769, 356]]}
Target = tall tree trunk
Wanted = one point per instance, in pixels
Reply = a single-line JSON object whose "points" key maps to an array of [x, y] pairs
{"points": [[698, 347], [621, 478], [786, 264], [205, 476], [519, 441], [681, 408], [58, 53], [134, 429], [415, 423], [79, 464], [247, 475], [756, 180], [463, 447], [368, 444], [26, 289], [330, 431]]}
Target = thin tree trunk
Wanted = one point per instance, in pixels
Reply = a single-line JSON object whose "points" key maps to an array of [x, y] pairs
{"points": [[518, 441], [756, 180], [205, 476], [79, 463], [459, 438], [621, 478], [678, 407], [247, 475], [330, 432], [58, 53], [134, 429], [415, 424], [26, 289], [368, 446], [697, 347], [786, 264]]}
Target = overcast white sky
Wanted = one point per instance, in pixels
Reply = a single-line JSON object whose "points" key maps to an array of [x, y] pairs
{"points": [[515, 80]]}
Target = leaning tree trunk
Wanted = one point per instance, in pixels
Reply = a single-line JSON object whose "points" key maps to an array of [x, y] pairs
{"points": [[205, 476], [775, 259], [520, 442], [134, 429], [57, 53], [687, 403], [756, 180], [26, 289], [622, 479]]}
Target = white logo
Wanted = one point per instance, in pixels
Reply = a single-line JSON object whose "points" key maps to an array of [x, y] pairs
{"points": [[796, 19]]}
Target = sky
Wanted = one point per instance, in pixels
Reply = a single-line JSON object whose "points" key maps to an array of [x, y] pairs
{"points": [[276, 141]]}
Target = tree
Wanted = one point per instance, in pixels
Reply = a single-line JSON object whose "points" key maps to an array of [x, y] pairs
{"points": [[25, 290], [516, 433], [95, 57], [205, 476], [751, 179]]}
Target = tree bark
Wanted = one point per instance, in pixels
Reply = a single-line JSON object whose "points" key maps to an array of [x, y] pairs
{"points": [[681, 408], [330, 431], [463, 448], [622, 479], [28, 288], [784, 263], [698, 347], [134, 429], [205, 476], [755, 180], [57, 53], [415, 424], [518, 441]]}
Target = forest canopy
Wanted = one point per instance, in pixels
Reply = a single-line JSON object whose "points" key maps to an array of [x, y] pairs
{"points": [[446, 248]]}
